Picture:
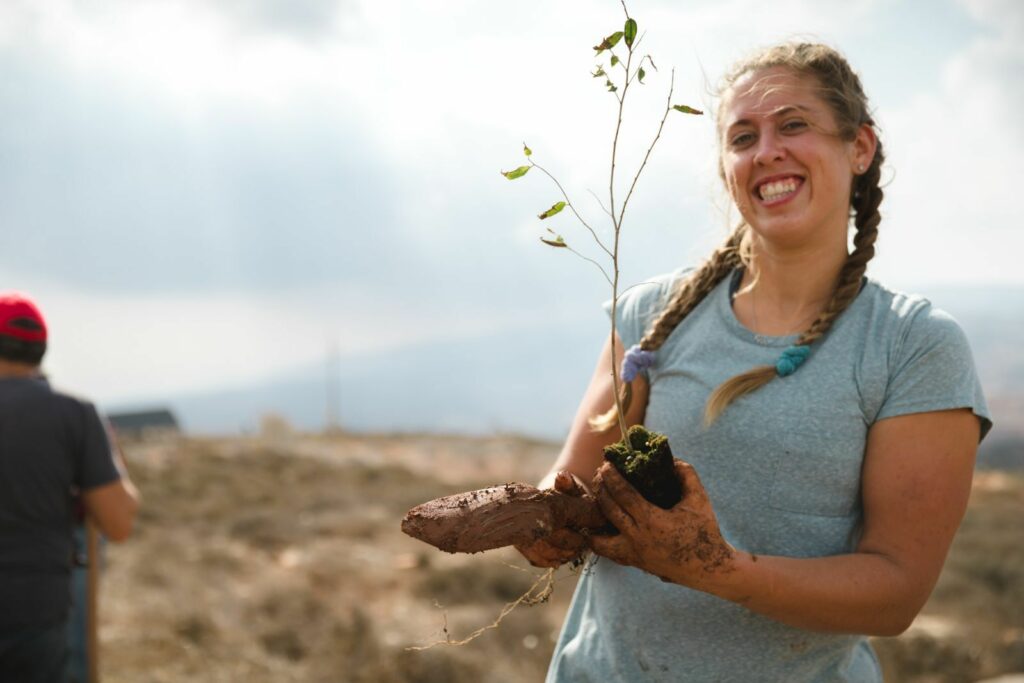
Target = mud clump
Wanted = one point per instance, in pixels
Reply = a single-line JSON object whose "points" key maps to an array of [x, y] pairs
{"points": [[648, 466], [495, 517]]}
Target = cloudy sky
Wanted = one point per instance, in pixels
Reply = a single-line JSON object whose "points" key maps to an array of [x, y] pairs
{"points": [[202, 194]]}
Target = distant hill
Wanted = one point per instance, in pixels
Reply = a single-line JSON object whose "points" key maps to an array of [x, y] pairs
{"points": [[530, 380], [526, 382]]}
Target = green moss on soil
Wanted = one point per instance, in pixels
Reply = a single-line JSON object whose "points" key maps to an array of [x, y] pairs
{"points": [[649, 467]]}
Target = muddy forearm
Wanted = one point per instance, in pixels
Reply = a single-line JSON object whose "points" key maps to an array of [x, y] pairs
{"points": [[861, 593]]}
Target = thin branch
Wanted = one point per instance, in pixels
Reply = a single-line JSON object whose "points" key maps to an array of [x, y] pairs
{"points": [[587, 258], [573, 208], [668, 108], [636, 44], [601, 204]]}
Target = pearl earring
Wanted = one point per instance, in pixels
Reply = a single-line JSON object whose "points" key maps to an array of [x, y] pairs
{"points": [[860, 168]]}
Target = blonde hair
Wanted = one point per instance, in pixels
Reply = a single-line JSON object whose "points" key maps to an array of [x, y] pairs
{"points": [[841, 90]]}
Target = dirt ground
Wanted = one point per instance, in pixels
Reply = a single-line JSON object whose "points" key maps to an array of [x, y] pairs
{"points": [[275, 560]]}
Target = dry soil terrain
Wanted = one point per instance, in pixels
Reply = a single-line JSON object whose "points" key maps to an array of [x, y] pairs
{"points": [[274, 560]]}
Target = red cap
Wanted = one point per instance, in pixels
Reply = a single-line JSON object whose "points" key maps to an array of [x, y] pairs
{"points": [[20, 318]]}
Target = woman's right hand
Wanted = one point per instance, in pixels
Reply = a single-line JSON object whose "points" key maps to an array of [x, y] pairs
{"points": [[561, 545]]}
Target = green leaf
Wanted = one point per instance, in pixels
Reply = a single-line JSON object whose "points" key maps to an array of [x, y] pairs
{"points": [[611, 86], [526, 150], [609, 42], [630, 32], [686, 110], [640, 74], [517, 173], [557, 242], [555, 208], [600, 72], [615, 60]]}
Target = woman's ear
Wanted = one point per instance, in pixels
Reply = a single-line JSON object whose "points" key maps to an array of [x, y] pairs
{"points": [[864, 145]]}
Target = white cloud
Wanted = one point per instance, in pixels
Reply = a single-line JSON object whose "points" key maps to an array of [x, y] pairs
{"points": [[441, 97], [956, 154]]}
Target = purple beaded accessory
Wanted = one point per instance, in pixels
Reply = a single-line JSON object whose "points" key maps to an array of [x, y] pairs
{"points": [[635, 360]]}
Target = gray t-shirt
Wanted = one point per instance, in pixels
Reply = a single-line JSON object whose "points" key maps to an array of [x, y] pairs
{"points": [[782, 469], [50, 444]]}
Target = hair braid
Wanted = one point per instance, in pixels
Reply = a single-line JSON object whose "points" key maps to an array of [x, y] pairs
{"points": [[690, 292], [694, 288], [866, 197], [866, 202]]}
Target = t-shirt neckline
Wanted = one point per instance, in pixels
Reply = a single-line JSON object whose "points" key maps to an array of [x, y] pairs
{"points": [[729, 287], [727, 313]]}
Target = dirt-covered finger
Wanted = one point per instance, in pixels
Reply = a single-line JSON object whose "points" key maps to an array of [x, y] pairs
{"points": [[694, 495], [620, 490], [614, 512], [546, 554], [616, 548], [541, 555], [566, 539], [566, 483]]}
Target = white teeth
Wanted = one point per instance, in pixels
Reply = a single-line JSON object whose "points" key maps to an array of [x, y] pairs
{"points": [[772, 191]]}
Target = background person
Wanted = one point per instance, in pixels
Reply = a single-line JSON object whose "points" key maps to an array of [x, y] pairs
{"points": [[833, 422], [51, 445]]}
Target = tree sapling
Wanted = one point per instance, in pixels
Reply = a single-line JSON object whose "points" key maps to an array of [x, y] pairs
{"points": [[517, 514]]}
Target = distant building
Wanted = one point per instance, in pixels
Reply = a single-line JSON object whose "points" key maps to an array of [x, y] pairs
{"points": [[146, 424]]}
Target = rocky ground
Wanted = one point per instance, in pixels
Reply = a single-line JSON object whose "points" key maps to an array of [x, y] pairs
{"points": [[281, 560]]}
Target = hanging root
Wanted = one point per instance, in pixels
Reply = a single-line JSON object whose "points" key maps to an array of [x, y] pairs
{"points": [[536, 594]]}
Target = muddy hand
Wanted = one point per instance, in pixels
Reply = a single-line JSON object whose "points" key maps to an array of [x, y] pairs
{"points": [[561, 545], [682, 545]]}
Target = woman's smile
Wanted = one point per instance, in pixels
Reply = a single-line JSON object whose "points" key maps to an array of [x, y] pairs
{"points": [[778, 189]]}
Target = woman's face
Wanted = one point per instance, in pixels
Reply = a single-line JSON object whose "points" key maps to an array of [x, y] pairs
{"points": [[784, 163]]}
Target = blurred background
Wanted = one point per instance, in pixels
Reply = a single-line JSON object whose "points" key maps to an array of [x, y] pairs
{"points": [[278, 227], [222, 205]]}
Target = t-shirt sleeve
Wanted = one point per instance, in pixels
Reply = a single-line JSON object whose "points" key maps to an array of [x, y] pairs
{"points": [[933, 369], [639, 305], [97, 465]]}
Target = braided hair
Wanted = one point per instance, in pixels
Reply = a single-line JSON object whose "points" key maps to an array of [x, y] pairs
{"points": [[841, 90]]}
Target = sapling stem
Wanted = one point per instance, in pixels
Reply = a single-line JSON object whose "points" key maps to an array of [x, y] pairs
{"points": [[617, 225]]}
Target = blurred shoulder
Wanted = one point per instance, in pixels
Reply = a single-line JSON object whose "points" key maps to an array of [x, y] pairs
{"points": [[907, 324], [73, 403], [908, 311], [656, 289]]}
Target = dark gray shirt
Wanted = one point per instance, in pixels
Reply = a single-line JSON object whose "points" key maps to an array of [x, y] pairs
{"points": [[50, 445]]}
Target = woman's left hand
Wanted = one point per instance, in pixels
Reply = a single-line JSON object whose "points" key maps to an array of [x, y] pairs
{"points": [[682, 545]]}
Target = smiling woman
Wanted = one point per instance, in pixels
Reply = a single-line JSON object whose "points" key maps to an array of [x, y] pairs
{"points": [[828, 424]]}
